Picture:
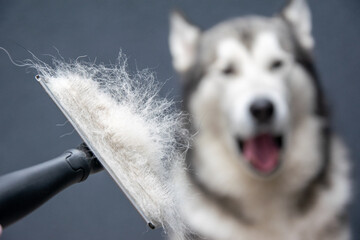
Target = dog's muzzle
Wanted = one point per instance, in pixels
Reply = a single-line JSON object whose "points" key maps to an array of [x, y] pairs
{"points": [[263, 149]]}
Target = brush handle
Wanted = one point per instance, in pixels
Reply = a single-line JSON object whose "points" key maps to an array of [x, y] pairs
{"points": [[23, 191]]}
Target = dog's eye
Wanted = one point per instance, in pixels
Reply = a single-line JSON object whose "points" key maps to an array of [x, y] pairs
{"points": [[229, 70], [276, 64]]}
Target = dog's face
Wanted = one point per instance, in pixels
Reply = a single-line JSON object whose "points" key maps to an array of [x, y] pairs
{"points": [[247, 83]]}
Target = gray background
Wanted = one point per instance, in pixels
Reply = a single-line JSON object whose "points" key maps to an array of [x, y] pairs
{"points": [[29, 134]]}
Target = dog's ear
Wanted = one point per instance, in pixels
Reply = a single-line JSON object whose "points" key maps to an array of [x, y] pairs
{"points": [[183, 41], [297, 13]]}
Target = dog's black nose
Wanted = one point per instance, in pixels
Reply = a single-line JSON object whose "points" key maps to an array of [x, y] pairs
{"points": [[262, 110]]}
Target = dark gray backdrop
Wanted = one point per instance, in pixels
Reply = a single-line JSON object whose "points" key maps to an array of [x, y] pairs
{"points": [[29, 134]]}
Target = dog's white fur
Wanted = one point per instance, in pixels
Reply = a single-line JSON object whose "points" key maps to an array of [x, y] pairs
{"points": [[219, 108]]}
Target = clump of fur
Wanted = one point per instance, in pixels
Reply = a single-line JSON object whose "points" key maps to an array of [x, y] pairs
{"points": [[138, 136]]}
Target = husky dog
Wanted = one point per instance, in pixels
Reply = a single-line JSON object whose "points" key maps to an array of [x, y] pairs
{"points": [[264, 163]]}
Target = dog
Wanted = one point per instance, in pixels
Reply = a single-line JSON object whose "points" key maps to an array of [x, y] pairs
{"points": [[264, 163]]}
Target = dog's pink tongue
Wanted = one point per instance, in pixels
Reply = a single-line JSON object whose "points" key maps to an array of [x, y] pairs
{"points": [[262, 152]]}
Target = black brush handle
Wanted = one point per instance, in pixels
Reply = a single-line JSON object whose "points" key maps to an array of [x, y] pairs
{"points": [[23, 191]]}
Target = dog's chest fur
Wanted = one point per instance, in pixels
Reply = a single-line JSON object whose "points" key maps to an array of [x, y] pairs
{"points": [[237, 206]]}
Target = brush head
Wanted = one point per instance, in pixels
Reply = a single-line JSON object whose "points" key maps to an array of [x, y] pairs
{"points": [[137, 136]]}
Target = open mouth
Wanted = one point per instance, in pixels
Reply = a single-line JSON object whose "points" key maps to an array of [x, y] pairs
{"points": [[262, 152]]}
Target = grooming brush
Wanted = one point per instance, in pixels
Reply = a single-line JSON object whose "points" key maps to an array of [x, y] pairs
{"points": [[24, 190], [136, 136]]}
